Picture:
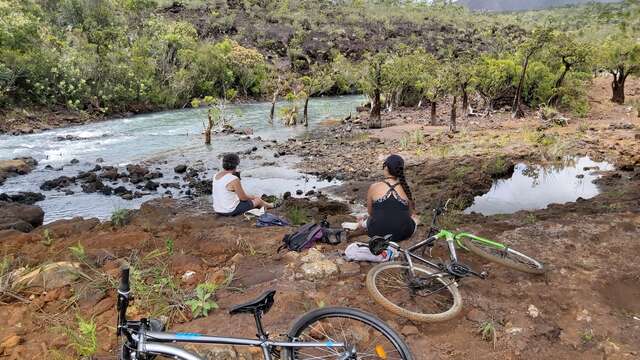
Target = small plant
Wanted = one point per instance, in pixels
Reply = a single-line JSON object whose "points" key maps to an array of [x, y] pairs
{"points": [[531, 218], [202, 304], [78, 252], [83, 340], [586, 336], [119, 217], [417, 136], [297, 215], [169, 245], [460, 172], [548, 112], [404, 143], [498, 167], [47, 237], [488, 332]]}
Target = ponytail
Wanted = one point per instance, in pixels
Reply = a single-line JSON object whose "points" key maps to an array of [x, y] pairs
{"points": [[405, 186]]}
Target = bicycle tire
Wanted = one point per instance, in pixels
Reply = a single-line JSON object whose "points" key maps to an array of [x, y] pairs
{"points": [[377, 295], [515, 259], [309, 319]]}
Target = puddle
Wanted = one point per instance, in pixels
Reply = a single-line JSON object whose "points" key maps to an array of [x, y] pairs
{"points": [[534, 187]]}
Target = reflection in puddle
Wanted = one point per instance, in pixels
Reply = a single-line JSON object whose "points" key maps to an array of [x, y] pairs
{"points": [[534, 187]]}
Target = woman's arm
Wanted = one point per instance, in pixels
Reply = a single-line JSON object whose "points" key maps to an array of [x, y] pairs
{"points": [[236, 187]]}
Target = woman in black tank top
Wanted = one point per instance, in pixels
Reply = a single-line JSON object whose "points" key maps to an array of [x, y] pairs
{"points": [[390, 204]]}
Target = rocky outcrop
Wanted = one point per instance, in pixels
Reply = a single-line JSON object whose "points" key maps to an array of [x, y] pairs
{"points": [[22, 197], [17, 166], [58, 183], [20, 217]]}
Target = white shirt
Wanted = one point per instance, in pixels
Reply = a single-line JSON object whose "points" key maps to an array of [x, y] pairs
{"points": [[224, 200]]}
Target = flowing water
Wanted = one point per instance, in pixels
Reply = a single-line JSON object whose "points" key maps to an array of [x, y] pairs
{"points": [[163, 140], [534, 187]]}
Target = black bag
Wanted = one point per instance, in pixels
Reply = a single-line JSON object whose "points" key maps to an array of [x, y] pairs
{"points": [[304, 238]]}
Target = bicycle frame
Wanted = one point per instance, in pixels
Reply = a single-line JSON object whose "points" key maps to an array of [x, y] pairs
{"points": [[409, 255], [150, 342]]}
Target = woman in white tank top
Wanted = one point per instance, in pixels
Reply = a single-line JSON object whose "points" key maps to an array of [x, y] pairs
{"points": [[229, 198]]}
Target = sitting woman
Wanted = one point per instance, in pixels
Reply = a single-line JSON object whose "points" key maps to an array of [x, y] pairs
{"points": [[390, 205], [229, 198]]}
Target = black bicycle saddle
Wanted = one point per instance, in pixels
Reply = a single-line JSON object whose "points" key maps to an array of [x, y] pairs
{"points": [[262, 304]]}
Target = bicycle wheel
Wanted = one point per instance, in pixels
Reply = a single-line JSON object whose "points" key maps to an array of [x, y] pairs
{"points": [[364, 336], [504, 256], [430, 297]]}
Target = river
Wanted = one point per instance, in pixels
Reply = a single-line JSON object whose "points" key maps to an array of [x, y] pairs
{"points": [[161, 141]]}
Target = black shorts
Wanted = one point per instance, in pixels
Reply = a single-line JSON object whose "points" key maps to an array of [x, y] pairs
{"points": [[243, 207]]}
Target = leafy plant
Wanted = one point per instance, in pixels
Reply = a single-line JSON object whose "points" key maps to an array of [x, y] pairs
{"points": [[47, 237], [297, 215], [202, 303], [83, 338], [77, 251], [169, 245], [488, 332], [120, 217]]}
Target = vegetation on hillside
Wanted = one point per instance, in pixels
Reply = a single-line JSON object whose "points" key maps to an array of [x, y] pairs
{"points": [[111, 56]]}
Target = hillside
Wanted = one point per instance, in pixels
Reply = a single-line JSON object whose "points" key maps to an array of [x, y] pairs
{"points": [[519, 5]]}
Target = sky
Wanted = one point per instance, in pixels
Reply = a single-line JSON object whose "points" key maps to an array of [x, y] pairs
{"points": [[508, 5]]}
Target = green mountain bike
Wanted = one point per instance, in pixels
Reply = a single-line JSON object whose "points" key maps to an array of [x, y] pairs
{"points": [[423, 290]]}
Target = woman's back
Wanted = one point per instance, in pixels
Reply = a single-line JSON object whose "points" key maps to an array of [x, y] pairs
{"points": [[391, 212], [224, 200]]}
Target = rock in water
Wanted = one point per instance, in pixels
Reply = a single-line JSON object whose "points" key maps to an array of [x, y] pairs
{"points": [[22, 197], [17, 166], [180, 168], [20, 217]]}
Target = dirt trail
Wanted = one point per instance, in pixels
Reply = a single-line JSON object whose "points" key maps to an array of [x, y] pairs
{"points": [[585, 308]]}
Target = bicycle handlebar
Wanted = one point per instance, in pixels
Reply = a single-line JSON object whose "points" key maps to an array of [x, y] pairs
{"points": [[124, 280]]}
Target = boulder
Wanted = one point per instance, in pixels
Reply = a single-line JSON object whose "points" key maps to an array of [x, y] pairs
{"points": [[151, 185], [22, 197], [17, 166], [91, 187], [180, 169], [18, 216], [137, 173], [110, 173], [49, 276], [58, 183]]}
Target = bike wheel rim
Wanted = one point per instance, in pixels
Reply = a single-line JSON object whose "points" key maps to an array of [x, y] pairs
{"points": [[368, 341], [438, 300]]}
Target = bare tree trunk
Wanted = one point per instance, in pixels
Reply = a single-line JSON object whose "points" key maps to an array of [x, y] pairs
{"points": [[273, 105], [375, 121], [555, 98], [434, 121], [306, 115], [465, 101], [207, 131], [517, 110], [452, 122], [617, 87]]}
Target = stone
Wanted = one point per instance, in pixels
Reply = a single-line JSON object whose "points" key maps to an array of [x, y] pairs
{"points": [[349, 268], [220, 352], [476, 315], [50, 276], [11, 213], [409, 330], [533, 311], [10, 342], [180, 169], [151, 185], [22, 197], [318, 270], [58, 183]]}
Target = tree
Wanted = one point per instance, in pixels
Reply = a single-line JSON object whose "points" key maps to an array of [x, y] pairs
{"points": [[371, 83], [319, 80], [572, 54], [432, 81], [620, 56], [538, 38], [494, 79]]}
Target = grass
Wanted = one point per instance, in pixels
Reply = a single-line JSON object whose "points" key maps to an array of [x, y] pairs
{"points": [[417, 136], [297, 215], [404, 143], [531, 218], [77, 251], [488, 332], [169, 245], [460, 172], [587, 336], [244, 247], [120, 217], [498, 167]]}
